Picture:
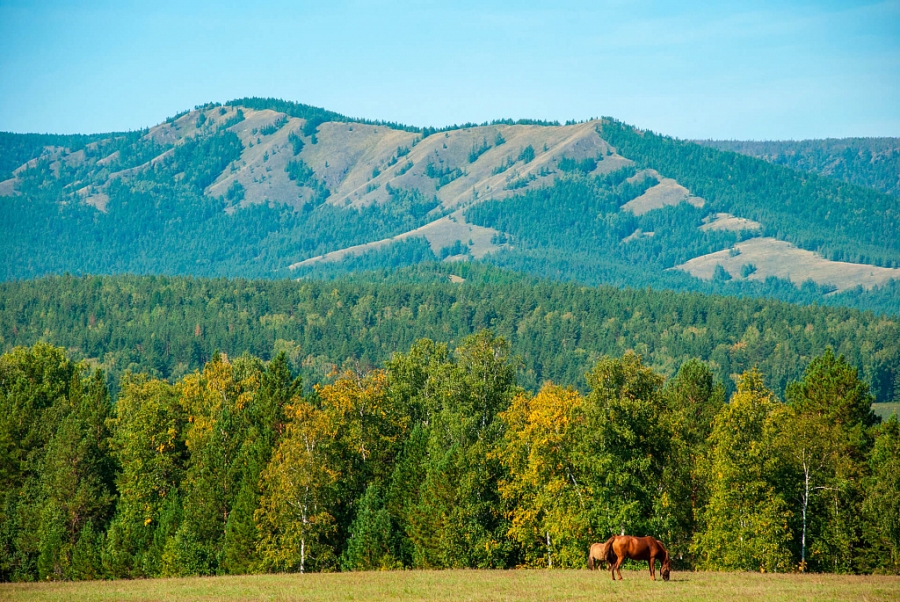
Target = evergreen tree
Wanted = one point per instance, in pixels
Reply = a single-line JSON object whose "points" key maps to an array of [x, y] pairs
{"points": [[692, 399], [881, 508]]}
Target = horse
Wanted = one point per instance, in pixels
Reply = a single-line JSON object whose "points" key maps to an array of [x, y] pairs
{"points": [[599, 553], [637, 548]]}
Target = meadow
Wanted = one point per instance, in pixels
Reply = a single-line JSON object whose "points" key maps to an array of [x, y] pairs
{"points": [[472, 585], [886, 410]]}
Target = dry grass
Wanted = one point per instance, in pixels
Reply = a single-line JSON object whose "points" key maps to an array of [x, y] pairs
{"points": [[440, 233], [783, 260], [726, 221], [667, 192], [471, 585]]}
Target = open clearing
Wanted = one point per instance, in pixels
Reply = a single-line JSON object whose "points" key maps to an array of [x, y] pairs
{"points": [[471, 585], [886, 410], [726, 221], [667, 192], [783, 260], [440, 233]]}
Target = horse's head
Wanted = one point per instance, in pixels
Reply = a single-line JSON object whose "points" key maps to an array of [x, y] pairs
{"points": [[666, 569]]}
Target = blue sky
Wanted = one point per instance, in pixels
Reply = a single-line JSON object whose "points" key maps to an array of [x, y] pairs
{"points": [[745, 70]]}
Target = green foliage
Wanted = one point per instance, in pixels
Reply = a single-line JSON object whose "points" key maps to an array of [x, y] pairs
{"points": [[745, 524], [588, 238], [202, 159], [527, 154], [371, 536], [439, 460], [477, 151], [828, 441], [870, 162], [457, 248], [304, 175], [882, 505], [297, 143], [271, 128], [841, 221], [720, 274], [148, 445], [568, 164], [158, 218], [18, 149], [57, 484], [692, 400], [171, 326]]}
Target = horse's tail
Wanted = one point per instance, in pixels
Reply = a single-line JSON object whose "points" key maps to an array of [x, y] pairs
{"points": [[590, 561], [610, 553]]}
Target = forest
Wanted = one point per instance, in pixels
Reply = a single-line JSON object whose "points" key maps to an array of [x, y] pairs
{"points": [[870, 162], [438, 459], [169, 327], [843, 222]]}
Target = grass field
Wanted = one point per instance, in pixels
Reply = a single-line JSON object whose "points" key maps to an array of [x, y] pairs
{"points": [[470, 585], [886, 409]]}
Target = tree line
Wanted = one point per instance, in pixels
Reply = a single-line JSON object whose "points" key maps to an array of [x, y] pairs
{"points": [[440, 459]]}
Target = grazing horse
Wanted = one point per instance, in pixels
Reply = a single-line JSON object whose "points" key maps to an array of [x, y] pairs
{"points": [[599, 553], [638, 548]]}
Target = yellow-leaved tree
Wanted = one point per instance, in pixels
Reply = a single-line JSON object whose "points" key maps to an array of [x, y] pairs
{"points": [[548, 507]]}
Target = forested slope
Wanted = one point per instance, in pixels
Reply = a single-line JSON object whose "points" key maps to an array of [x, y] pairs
{"points": [[172, 326], [870, 162]]}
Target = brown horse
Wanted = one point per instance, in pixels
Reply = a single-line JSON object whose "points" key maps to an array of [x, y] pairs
{"points": [[599, 553], [637, 548]]}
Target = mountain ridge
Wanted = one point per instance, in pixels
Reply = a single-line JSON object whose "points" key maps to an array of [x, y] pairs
{"points": [[266, 192]]}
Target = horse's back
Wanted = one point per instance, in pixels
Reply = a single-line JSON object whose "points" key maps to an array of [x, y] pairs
{"points": [[637, 548]]}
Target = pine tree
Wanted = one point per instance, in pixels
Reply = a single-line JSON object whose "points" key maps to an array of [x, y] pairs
{"points": [[881, 508]]}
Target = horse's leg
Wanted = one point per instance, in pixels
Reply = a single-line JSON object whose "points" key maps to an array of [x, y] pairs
{"points": [[619, 562], [653, 568]]}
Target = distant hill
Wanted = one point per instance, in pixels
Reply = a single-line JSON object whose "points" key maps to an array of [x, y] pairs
{"points": [[871, 162], [269, 188]]}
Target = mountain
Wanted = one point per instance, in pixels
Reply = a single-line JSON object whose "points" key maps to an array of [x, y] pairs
{"points": [[871, 162], [269, 188]]}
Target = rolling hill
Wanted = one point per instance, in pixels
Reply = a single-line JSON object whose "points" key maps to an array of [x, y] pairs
{"points": [[871, 162], [268, 188]]}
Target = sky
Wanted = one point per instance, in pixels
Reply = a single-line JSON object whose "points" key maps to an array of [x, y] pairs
{"points": [[723, 70]]}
